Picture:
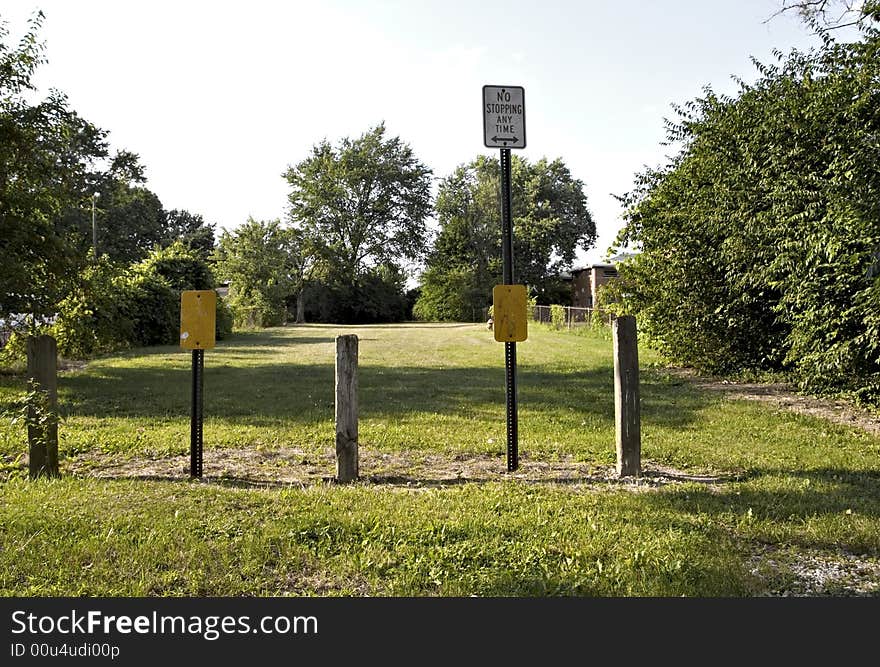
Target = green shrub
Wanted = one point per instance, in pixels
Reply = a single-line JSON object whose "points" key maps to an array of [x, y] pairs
{"points": [[96, 317], [116, 308], [378, 296], [531, 304], [182, 267], [760, 240], [557, 316], [13, 355], [449, 295], [154, 310], [224, 319], [254, 310]]}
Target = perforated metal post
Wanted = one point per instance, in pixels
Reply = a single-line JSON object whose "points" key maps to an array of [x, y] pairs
{"points": [[509, 348], [197, 413]]}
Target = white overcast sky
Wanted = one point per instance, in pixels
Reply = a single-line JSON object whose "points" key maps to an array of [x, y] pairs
{"points": [[218, 98]]}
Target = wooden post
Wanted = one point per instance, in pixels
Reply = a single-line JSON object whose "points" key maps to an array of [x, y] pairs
{"points": [[42, 369], [346, 408], [627, 418]]}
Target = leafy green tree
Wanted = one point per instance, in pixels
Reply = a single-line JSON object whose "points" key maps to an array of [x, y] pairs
{"points": [[48, 158], [191, 229], [182, 267], [760, 240], [361, 204], [259, 262], [130, 220], [300, 253], [550, 223], [378, 296]]}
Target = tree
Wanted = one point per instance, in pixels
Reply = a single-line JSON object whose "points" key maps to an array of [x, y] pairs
{"points": [[259, 261], [48, 157], [183, 268], [131, 222], [191, 229], [300, 261], [825, 15], [760, 240], [550, 223], [361, 204]]}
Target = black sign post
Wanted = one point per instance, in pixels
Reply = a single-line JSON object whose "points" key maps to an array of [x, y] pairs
{"points": [[504, 127], [197, 414], [509, 348]]}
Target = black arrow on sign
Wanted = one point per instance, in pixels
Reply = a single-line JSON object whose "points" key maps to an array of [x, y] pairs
{"points": [[505, 139]]}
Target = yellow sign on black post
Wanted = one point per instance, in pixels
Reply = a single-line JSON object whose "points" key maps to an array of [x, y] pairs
{"points": [[198, 315], [509, 313]]}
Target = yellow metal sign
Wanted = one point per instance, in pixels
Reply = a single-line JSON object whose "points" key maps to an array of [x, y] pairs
{"points": [[509, 313], [198, 314]]}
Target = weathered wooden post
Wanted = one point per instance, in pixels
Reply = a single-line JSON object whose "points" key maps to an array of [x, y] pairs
{"points": [[627, 418], [346, 408], [42, 372]]}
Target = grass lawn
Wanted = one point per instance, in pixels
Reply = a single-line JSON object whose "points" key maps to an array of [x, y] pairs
{"points": [[739, 499]]}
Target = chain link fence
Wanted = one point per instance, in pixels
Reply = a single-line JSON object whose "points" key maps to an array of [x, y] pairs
{"points": [[567, 317]]}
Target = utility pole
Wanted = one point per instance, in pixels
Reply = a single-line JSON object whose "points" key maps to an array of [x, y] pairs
{"points": [[95, 195]]}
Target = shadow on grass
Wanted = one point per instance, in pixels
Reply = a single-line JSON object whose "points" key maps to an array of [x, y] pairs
{"points": [[292, 392], [259, 341], [411, 325], [791, 498]]}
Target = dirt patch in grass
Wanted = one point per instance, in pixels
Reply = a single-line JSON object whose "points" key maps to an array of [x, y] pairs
{"points": [[294, 467], [801, 572], [783, 397]]}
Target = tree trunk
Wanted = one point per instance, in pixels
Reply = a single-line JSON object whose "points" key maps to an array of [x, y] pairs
{"points": [[300, 308]]}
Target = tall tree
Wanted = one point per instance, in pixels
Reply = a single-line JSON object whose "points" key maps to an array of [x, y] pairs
{"points": [[300, 260], [825, 15], [550, 221], [191, 230], [48, 158], [760, 240], [131, 222], [361, 204]]}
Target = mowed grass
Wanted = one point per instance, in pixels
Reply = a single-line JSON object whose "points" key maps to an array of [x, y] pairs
{"points": [[791, 489]]}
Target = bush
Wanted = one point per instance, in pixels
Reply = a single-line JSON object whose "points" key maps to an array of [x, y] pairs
{"points": [[378, 296], [225, 319], [154, 310], [13, 355], [450, 295], [557, 316], [760, 240], [115, 309], [96, 317], [182, 267], [531, 304], [255, 311]]}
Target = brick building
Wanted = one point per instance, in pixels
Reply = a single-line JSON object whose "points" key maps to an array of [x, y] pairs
{"points": [[586, 281]]}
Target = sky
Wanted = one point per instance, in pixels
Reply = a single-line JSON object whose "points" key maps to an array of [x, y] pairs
{"points": [[219, 98]]}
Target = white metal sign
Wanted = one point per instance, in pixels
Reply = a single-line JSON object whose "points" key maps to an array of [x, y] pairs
{"points": [[504, 116]]}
